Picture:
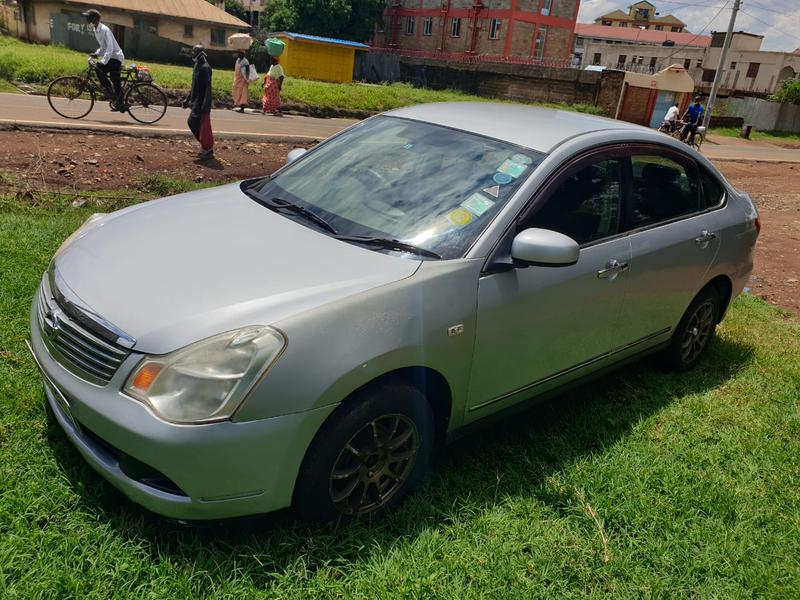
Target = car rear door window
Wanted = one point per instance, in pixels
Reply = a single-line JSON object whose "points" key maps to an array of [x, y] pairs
{"points": [[586, 204], [662, 189], [713, 190]]}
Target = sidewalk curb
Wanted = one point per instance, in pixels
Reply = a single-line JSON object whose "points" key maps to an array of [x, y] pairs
{"points": [[142, 132]]}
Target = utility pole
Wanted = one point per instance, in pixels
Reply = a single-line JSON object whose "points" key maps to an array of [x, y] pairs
{"points": [[721, 67]]}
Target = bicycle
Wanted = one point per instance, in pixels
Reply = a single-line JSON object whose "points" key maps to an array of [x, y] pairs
{"points": [[73, 97], [696, 142]]}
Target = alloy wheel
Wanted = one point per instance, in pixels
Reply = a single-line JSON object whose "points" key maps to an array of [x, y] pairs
{"points": [[698, 332], [373, 466]]}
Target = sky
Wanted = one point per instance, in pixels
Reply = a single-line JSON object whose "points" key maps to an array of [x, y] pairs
{"points": [[777, 20]]}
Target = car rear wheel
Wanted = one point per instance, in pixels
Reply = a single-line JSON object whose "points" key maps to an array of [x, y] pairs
{"points": [[368, 456], [694, 332]]}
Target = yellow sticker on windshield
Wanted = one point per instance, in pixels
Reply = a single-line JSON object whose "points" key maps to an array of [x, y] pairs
{"points": [[460, 217]]}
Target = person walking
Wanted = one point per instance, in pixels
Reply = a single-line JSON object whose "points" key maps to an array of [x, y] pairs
{"points": [[241, 79], [109, 59], [199, 100], [273, 83]]}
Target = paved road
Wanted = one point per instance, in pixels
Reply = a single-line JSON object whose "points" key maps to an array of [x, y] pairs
{"points": [[35, 111]]}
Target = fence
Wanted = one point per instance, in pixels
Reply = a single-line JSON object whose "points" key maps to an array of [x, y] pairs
{"points": [[763, 115]]}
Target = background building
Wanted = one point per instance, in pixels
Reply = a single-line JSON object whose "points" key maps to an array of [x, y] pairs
{"points": [[497, 30], [150, 29], [642, 15]]}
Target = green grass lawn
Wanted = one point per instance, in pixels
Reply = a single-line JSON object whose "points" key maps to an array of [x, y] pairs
{"points": [[767, 136], [36, 64], [644, 484]]}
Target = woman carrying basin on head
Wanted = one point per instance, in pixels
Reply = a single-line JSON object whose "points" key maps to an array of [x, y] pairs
{"points": [[273, 82]]}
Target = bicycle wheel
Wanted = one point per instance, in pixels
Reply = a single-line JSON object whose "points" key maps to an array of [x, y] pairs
{"points": [[71, 97], [146, 103]]}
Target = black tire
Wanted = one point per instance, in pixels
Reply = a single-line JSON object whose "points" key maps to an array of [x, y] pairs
{"points": [[146, 103], [695, 331], [348, 474], [71, 97]]}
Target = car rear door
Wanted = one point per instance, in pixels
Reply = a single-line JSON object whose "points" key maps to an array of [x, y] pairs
{"points": [[673, 244], [538, 327]]}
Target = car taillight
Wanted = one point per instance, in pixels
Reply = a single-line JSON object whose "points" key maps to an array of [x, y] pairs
{"points": [[758, 225]]}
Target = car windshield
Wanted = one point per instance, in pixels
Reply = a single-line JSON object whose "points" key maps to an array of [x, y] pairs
{"points": [[426, 186]]}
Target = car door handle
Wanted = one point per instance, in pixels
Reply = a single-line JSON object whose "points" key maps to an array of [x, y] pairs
{"points": [[705, 238], [613, 267]]}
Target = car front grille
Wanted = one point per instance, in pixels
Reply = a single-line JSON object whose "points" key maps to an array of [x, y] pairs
{"points": [[75, 348]]}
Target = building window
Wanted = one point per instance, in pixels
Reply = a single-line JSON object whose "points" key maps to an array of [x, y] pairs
{"points": [[427, 26], [494, 29], [752, 69], [708, 75], [700, 63], [606, 23], [217, 36], [653, 63], [623, 24], [733, 65], [676, 29], [579, 42], [148, 25], [687, 63], [455, 27], [546, 6], [597, 58], [623, 58], [188, 30], [541, 39], [659, 28], [411, 23]]}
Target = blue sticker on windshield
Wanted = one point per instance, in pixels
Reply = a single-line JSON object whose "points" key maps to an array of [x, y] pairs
{"points": [[502, 178]]}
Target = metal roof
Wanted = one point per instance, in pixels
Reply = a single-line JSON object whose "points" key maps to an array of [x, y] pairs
{"points": [[320, 40], [533, 127], [644, 36], [192, 10]]}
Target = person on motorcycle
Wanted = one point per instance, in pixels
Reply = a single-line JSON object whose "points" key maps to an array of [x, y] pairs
{"points": [[693, 119], [671, 118], [109, 58]]}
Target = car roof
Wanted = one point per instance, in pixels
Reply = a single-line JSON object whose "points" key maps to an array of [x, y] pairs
{"points": [[533, 127]]}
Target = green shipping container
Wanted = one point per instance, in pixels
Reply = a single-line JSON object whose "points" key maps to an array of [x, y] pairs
{"points": [[275, 47]]}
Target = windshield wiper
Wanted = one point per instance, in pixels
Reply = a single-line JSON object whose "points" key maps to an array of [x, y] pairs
{"points": [[281, 204], [388, 244]]}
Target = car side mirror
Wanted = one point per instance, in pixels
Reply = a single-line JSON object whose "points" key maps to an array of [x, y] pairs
{"points": [[295, 154], [544, 248]]}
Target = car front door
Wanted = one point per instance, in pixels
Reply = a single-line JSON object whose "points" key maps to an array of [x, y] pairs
{"points": [[673, 244], [537, 326]]}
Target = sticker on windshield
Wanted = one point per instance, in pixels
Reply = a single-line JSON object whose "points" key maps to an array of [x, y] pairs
{"points": [[522, 159], [477, 204], [493, 191], [460, 217], [512, 168], [502, 178]]}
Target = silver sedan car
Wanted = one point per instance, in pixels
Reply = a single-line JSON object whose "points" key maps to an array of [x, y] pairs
{"points": [[305, 339]]}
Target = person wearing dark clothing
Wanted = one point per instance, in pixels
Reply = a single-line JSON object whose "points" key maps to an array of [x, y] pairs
{"points": [[693, 118], [199, 100]]}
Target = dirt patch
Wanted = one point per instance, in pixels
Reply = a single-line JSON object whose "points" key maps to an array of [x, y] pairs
{"points": [[112, 162], [775, 188]]}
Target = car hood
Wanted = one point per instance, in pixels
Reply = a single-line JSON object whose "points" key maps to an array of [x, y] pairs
{"points": [[174, 271]]}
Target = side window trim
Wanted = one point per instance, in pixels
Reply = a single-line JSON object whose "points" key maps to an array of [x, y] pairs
{"points": [[692, 168], [723, 202]]}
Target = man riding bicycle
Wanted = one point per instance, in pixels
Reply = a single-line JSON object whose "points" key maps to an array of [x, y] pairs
{"points": [[109, 59], [694, 118]]}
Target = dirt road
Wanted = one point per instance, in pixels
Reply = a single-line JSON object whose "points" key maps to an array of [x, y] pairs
{"points": [[112, 162]]}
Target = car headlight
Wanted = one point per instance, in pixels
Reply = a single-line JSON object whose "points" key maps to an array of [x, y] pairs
{"points": [[93, 219], [206, 381]]}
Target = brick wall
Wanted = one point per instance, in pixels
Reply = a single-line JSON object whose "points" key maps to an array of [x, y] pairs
{"points": [[522, 40], [525, 83], [558, 45]]}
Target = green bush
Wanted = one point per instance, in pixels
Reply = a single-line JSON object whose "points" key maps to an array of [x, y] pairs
{"points": [[789, 92]]}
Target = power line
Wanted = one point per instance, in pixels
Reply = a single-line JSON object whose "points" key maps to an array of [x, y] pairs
{"points": [[791, 35], [689, 43]]}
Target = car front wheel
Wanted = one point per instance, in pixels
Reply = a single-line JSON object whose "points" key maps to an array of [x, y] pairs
{"points": [[695, 331], [368, 456]]}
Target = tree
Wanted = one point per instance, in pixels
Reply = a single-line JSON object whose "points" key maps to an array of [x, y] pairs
{"points": [[235, 8], [347, 19], [789, 92]]}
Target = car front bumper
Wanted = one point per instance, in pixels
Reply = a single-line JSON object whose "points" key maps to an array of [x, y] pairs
{"points": [[197, 472]]}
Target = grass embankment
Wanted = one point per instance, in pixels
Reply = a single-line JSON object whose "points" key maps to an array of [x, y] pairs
{"points": [[644, 484], [36, 64], [767, 136]]}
